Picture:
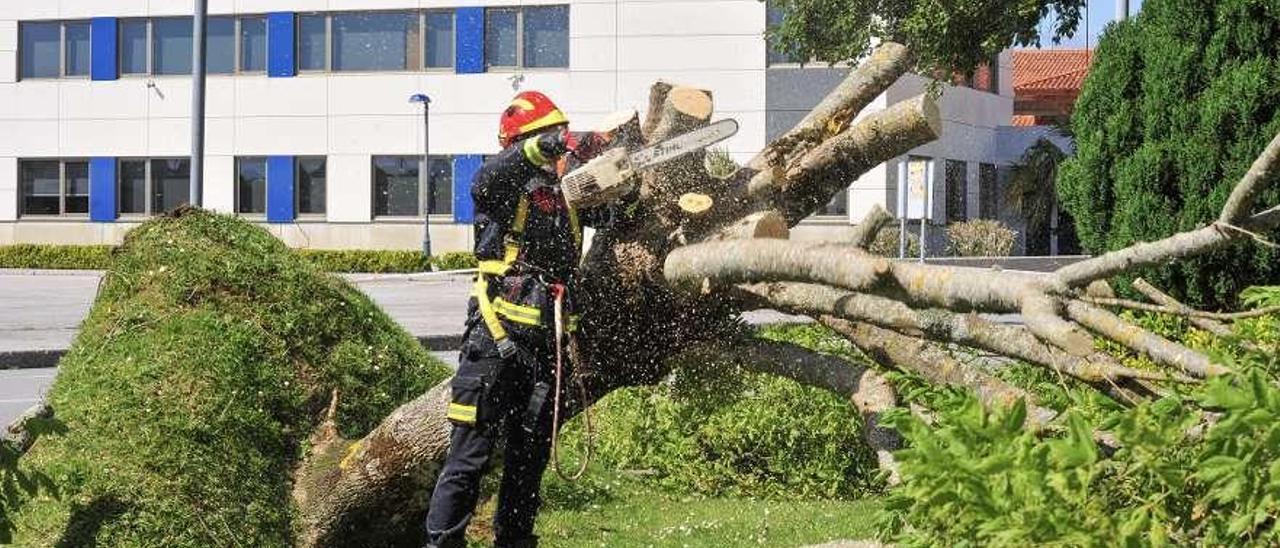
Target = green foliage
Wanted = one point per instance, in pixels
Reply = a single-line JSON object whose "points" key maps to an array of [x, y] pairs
{"points": [[720, 164], [57, 257], [980, 238], [206, 362], [1030, 189], [98, 257], [1178, 103], [714, 431], [17, 485], [1181, 476], [946, 35], [886, 243]]}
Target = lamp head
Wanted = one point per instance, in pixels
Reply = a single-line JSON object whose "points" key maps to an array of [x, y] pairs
{"points": [[420, 98]]}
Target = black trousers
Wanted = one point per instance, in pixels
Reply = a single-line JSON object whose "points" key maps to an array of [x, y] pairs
{"points": [[501, 392]]}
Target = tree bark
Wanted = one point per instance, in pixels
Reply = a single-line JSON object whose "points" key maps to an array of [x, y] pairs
{"points": [[864, 234]]}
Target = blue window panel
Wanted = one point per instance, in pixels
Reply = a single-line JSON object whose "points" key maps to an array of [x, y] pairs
{"points": [[465, 168], [470, 45], [105, 40], [280, 177], [282, 60], [102, 190]]}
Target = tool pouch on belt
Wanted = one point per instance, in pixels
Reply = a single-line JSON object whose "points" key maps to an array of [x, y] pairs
{"points": [[537, 402], [465, 406]]}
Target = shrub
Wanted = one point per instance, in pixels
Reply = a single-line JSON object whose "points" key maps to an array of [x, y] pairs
{"points": [[980, 238], [188, 397], [886, 243], [979, 478], [97, 257], [59, 257], [720, 164], [1179, 102]]}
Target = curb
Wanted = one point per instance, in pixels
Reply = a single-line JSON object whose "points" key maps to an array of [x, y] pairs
{"points": [[43, 359]]}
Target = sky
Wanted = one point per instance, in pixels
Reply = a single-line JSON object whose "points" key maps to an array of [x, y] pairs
{"points": [[1100, 12]]}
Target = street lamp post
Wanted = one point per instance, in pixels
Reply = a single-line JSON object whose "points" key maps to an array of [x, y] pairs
{"points": [[425, 171], [197, 101]]}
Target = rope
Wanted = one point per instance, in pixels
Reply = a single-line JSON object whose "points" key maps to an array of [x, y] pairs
{"points": [[1256, 237], [559, 291]]}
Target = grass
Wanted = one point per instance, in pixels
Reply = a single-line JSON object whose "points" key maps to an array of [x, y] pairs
{"points": [[98, 257], [188, 398], [612, 508]]}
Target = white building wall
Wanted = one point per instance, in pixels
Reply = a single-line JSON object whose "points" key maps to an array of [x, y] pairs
{"points": [[618, 48]]}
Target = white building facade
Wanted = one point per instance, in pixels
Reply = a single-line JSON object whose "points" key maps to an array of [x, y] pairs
{"points": [[311, 132]]}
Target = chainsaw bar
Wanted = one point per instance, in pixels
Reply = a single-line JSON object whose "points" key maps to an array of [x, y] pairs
{"points": [[678, 146]]}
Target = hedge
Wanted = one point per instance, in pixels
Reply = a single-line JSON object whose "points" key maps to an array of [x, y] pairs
{"points": [[97, 257]]}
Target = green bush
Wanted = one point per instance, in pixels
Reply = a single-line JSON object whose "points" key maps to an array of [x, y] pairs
{"points": [[980, 238], [97, 257], [206, 362], [1178, 103], [886, 243], [978, 478], [57, 257], [713, 432]]}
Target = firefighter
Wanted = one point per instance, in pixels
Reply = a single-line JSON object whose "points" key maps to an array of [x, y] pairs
{"points": [[528, 242]]}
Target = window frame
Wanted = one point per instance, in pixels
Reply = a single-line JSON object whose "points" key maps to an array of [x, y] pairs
{"points": [[237, 200], [417, 44], [424, 37], [297, 188], [62, 191], [327, 41], [424, 170], [961, 204], [266, 45], [62, 46], [147, 71], [64, 51], [149, 180], [521, 65], [988, 191]]}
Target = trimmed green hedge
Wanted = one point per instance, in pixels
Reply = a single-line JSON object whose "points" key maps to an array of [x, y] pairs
{"points": [[190, 394], [97, 257]]}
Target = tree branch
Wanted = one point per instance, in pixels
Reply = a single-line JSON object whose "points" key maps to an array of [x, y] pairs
{"points": [[1245, 194], [864, 234], [1158, 348], [1181, 311]]}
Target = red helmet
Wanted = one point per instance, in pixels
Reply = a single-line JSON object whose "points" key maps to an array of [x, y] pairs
{"points": [[529, 111]]}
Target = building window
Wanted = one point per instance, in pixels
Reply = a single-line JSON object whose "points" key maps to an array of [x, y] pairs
{"points": [[52, 187], [41, 50], [170, 184], [133, 47], [171, 45], [397, 186], [438, 52], [253, 44], [76, 48], [837, 207], [133, 187], [546, 36], [988, 195], [375, 41], [532, 37], [251, 186], [957, 191], [151, 187], [313, 42], [313, 177], [220, 57]]}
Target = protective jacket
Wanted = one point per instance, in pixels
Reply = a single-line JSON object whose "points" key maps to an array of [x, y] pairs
{"points": [[527, 236]]}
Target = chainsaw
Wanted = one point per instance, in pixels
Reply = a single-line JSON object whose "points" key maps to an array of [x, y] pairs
{"points": [[612, 175]]}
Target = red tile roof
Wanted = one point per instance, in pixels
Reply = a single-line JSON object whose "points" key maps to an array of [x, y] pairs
{"points": [[1050, 69]]}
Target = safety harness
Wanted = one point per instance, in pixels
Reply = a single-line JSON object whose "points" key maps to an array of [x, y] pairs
{"points": [[492, 311]]}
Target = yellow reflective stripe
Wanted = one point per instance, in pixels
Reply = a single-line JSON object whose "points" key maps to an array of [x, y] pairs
{"points": [[495, 268], [462, 413], [552, 118], [576, 227], [527, 315], [524, 104], [522, 216], [572, 323], [486, 309], [533, 153]]}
